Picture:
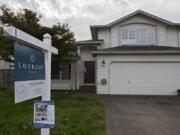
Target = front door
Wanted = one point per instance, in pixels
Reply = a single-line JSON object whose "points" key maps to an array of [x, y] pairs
{"points": [[89, 75]]}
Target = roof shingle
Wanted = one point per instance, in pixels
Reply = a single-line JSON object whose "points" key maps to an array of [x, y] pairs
{"points": [[140, 48]]}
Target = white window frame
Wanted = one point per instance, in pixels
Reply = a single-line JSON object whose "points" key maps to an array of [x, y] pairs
{"points": [[69, 74], [138, 40], [124, 37], [129, 39]]}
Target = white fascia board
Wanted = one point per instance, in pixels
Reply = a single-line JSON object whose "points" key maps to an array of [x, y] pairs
{"points": [[23, 37], [136, 52]]}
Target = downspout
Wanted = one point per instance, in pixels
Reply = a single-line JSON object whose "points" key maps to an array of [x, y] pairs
{"points": [[179, 40], [179, 37], [77, 69]]}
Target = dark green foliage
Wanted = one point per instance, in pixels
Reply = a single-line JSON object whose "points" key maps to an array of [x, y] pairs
{"points": [[29, 21], [6, 48]]}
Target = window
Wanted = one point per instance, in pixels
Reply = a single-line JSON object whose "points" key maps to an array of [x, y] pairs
{"points": [[125, 34], [62, 72], [150, 36], [132, 34], [142, 36], [55, 72], [65, 71], [138, 36]]}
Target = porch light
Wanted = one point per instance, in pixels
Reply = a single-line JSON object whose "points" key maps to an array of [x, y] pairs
{"points": [[103, 63]]}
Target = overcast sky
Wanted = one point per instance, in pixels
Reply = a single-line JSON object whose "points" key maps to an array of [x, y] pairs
{"points": [[79, 14]]}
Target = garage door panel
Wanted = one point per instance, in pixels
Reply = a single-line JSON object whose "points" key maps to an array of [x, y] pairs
{"points": [[144, 78], [152, 83]]}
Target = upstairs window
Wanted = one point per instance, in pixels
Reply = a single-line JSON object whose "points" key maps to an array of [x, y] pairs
{"points": [[125, 34], [138, 36]]}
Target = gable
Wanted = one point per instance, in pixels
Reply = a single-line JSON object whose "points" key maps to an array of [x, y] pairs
{"points": [[139, 19], [142, 13], [135, 17]]}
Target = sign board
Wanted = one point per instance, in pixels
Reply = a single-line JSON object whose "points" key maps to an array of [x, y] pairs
{"points": [[33, 73], [29, 72], [44, 114]]}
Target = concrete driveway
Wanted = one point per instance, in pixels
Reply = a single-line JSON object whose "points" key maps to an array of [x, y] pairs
{"points": [[143, 115]]}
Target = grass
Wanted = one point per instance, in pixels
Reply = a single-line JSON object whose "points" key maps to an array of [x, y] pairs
{"points": [[75, 115]]}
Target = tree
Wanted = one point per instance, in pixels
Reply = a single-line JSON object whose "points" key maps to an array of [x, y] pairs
{"points": [[29, 21]]}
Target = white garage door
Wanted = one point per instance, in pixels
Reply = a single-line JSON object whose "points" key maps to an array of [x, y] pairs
{"points": [[144, 78]]}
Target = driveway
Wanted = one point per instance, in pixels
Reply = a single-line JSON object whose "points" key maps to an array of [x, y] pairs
{"points": [[143, 115]]}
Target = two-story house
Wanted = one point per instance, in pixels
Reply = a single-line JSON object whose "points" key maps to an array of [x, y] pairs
{"points": [[137, 54]]}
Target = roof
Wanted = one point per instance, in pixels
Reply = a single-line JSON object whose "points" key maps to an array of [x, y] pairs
{"points": [[94, 28], [74, 56], [90, 42], [139, 49]]}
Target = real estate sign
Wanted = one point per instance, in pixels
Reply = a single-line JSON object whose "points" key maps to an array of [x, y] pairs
{"points": [[29, 72], [33, 74], [44, 114]]}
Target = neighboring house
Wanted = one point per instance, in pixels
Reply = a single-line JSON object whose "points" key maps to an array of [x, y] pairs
{"points": [[137, 54]]}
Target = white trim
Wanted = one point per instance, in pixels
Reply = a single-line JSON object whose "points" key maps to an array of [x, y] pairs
{"points": [[21, 36], [138, 37]]}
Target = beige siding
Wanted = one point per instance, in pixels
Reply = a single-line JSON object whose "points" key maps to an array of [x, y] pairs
{"points": [[114, 36], [172, 36], [85, 53], [161, 35], [103, 71], [105, 35]]}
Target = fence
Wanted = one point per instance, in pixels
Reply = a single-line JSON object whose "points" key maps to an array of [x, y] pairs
{"points": [[6, 78]]}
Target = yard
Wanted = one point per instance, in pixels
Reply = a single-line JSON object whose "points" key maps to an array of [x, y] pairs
{"points": [[75, 115]]}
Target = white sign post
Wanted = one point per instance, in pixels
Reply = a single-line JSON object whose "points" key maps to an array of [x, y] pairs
{"points": [[44, 46], [47, 94]]}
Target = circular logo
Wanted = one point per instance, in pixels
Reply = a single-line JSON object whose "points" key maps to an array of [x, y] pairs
{"points": [[32, 58], [21, 92]]}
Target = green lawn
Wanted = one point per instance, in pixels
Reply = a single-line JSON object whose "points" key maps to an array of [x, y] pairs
{"points": [[75, 115]]}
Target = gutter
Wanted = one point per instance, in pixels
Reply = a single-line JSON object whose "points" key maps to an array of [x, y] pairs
{"points": [[90, 42], [95, 53]]}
